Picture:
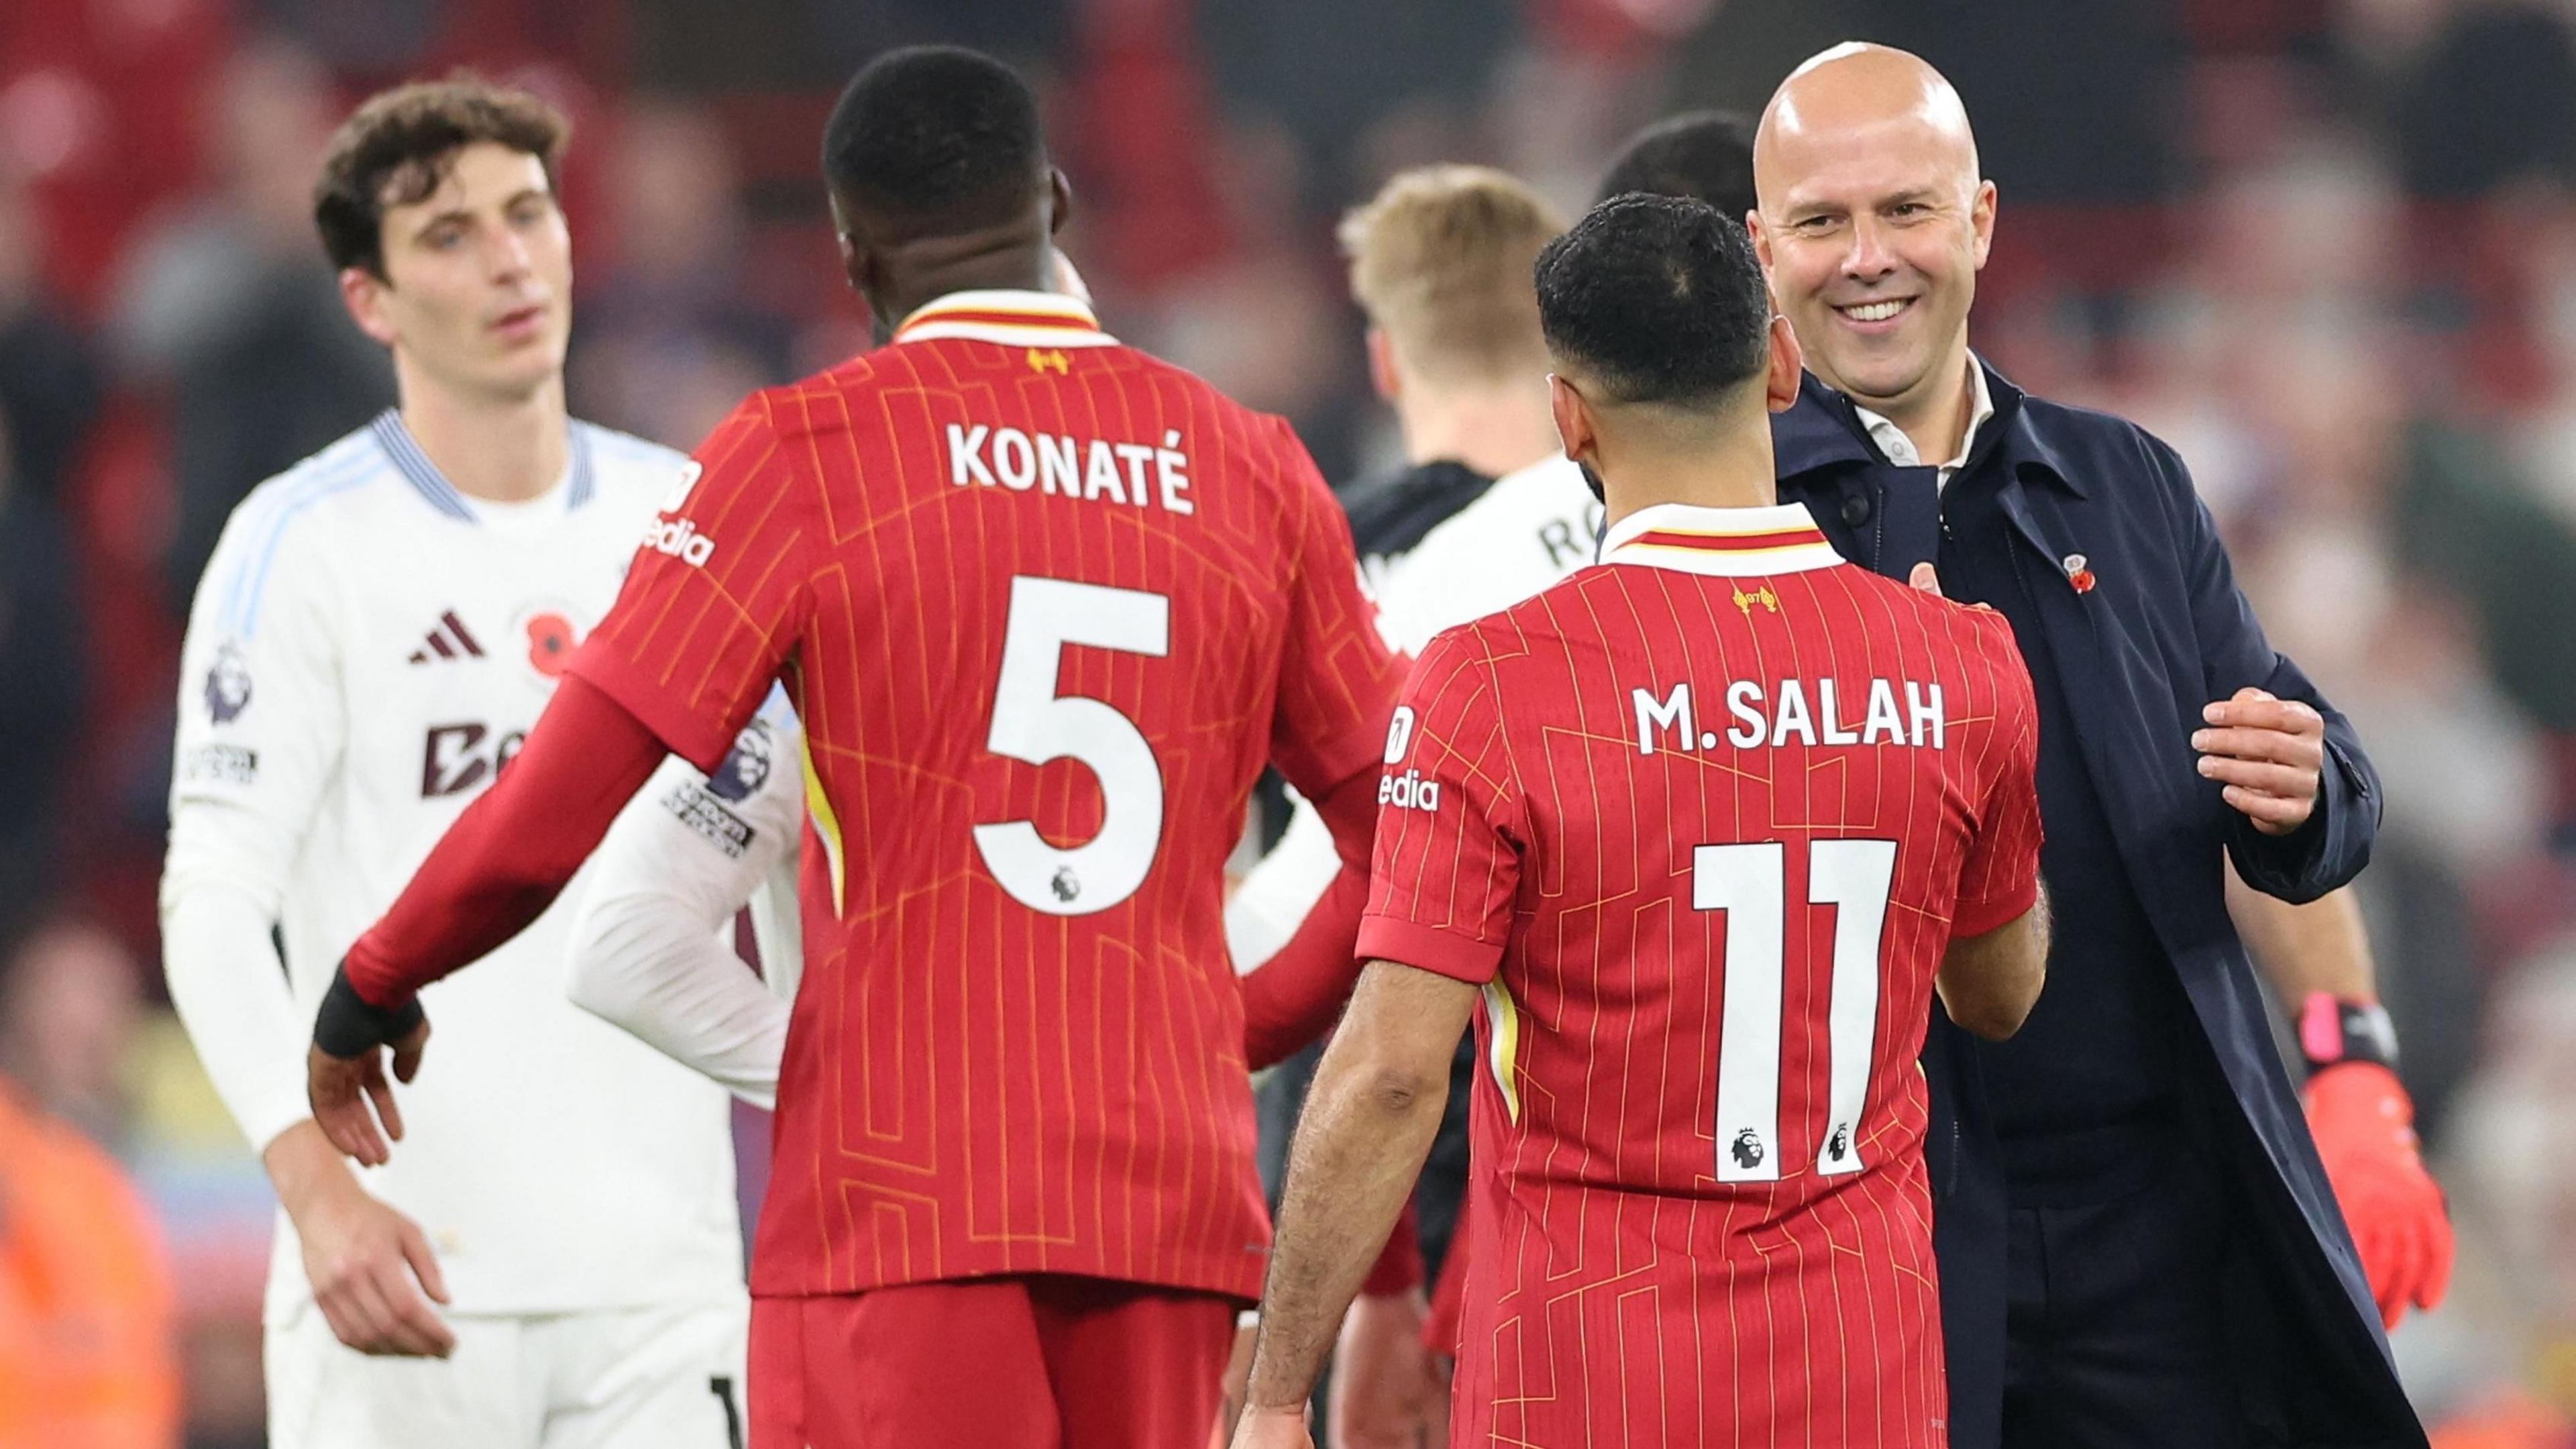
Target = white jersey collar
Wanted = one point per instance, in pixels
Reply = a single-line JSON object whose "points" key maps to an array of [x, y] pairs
{"points": [[1011, 318], [1726, 542]]}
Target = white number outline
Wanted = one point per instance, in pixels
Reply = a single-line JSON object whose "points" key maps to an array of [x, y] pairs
{"points": [[1748, 881], [1034, 724]]}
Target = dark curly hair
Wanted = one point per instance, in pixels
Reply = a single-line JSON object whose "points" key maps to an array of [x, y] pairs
{"points": [[1659, 298], [397, 148]]}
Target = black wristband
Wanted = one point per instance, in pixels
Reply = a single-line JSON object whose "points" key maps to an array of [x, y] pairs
{"points": [[349, 1025]]}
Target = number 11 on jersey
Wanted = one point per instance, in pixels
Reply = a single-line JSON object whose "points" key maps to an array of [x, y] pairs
{"points": [[1749, 883]]}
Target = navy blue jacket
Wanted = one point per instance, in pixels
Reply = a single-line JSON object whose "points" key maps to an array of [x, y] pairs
{"points": [[2160, 632]]}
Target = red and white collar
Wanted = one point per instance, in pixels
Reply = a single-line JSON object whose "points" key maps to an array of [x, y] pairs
{"points": [[1726, 542], [1011, 318]]}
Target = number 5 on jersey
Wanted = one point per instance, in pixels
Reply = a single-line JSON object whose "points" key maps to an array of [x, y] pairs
{"points": [[1748, 883], [1031, 722]]}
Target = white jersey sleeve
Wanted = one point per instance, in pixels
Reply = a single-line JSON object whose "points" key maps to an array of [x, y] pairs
{"points": [[260, 734], [652, 945]]}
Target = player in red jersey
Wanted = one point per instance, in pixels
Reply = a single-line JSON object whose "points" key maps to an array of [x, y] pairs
{"points": [[1704, 824], [1045, 606]]}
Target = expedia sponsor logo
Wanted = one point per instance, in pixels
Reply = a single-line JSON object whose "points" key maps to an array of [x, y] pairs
{"points": [[679, 538], [1408, 791]]}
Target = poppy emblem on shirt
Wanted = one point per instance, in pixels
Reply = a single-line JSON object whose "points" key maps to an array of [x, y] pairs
{"points": [[550, 641], [2079, 573]]}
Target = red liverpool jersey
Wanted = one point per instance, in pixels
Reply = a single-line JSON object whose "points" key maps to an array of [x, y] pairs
{"points": [[1701, 820], [1045, 606]]}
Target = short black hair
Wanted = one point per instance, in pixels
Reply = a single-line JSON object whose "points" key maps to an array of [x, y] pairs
{"points": [[398, 147], [935, 133], [1659, 298], [1704, 155]]}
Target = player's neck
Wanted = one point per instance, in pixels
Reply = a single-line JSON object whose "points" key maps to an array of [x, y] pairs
{"points": [[1493, 430], [501, 448], [1731, 474]]}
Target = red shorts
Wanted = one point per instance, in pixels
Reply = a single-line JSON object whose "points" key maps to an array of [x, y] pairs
{"points": [[1041, 1362]]}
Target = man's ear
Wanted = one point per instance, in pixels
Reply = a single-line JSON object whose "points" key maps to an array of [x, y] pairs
{"points": [[1981, 221], [1573, 414], [1761, 240], [1382, 370], [1788, 366], [363, 293], [1059, 200]]}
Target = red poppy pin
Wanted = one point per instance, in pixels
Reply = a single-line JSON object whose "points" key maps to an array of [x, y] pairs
{"points": [[2079, 573]]}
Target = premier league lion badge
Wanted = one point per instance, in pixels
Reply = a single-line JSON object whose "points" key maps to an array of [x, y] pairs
{"points": [[227, 685], [746, 765]]}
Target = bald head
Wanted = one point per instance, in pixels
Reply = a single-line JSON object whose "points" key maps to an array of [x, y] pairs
{"points": [[1853, 95], [1872, 224]]}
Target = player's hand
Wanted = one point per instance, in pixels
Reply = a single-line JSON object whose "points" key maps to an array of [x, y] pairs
{"points": [[1927, 580], [1273, 1429], [2364, 1124], [368, 1264], [1387, 1393], [2268, 753], [1238, 1373], [341, 1090]]}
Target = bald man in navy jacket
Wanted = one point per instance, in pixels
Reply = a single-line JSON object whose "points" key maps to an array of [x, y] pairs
{"points": [[2140, 1244]]}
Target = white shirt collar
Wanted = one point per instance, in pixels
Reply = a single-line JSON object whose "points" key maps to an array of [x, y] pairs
{"points": [[1900, 449], [1726, 542]]}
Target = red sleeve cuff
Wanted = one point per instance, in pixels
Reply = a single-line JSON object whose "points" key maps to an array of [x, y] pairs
{"points": [[1458, 956], [687, 733], [1975, 918]]}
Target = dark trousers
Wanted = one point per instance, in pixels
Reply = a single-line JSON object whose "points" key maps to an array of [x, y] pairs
{"points": [[2115, 1334]]}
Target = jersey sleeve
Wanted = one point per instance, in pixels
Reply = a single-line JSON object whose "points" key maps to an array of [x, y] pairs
{"points": [[1999, 879], [651, 948], [1338, 679], [718, 595], [1450, 821], [261, 730]]}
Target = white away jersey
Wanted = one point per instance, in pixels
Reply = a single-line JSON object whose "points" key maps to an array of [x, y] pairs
{"points": [[1532, 528], [367, 649]]}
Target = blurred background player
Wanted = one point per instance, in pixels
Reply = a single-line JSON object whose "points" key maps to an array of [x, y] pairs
{"points": [[1057, 549], [1705, 916], [2138, 1246], [380, 627]]}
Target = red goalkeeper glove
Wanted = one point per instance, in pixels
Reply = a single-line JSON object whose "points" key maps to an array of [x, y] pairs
{"points": [[2364, 1124]]}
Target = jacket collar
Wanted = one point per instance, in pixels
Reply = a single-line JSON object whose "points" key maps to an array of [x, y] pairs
{"points": [[1823, 429]]}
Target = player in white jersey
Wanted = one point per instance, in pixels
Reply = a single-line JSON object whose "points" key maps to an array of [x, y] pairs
{"points": [[378, 629]]}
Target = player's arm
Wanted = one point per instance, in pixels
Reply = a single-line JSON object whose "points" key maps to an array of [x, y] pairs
{"points": [[1338, 683], [1997, 959], [651, 942], [678, 666], [1989, 982], [1369, 1117], [2290, 766], [261, 729]]}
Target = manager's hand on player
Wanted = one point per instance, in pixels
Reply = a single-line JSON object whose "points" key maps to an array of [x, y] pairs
{"points": [[368, 1264], [345, 1070], [2268, 753]]}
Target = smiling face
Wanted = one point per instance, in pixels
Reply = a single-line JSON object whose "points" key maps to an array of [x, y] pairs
{"points": [[477, 287], [1873, 224]]}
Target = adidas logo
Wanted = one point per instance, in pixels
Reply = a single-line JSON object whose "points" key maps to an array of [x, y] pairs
{"points": [[450, 640]]}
